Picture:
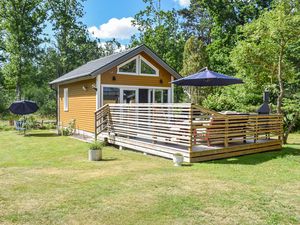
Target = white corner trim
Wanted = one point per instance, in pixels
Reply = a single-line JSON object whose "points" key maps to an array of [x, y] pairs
{"points": [[172, 90], [58, 107], [98, 92]]}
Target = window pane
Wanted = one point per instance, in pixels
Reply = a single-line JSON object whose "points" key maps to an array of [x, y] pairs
{"points": [[165, 96], [158, 96], [129, 67], [143, 95], [111, 95], [129, 96], [146, 69], [151, 95], [66, 99]]}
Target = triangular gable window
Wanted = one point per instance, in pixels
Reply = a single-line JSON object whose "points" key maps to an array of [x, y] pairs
{"points": [[147, 68], [138, 66], [129, 67]]}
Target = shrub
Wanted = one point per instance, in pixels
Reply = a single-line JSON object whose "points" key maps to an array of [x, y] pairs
{"points": [[70, 129], [97, 145], [5, 127], [66, 132], [30, 122]]}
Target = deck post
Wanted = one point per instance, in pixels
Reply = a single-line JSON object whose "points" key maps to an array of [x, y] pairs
{"points": [[96, 126], [226, 133], [191, 128], [280, 137], [256, 130]]}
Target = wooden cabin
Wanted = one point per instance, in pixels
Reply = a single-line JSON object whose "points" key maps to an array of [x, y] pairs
{"points": [[137, 75], [127, 98]]}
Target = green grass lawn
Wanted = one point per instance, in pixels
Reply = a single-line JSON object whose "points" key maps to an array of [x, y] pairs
{"points": [[46, 179]]}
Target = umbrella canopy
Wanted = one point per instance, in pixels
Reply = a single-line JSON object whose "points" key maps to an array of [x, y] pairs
{"points": [[23, 107], [207, 78]]}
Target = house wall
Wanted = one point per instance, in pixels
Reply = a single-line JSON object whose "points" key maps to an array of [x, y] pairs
{"points": [[138, 80], [82, 104]]}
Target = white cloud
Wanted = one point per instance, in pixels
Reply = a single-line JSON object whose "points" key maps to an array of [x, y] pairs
{"points": [[184, 3], [115, 28]]}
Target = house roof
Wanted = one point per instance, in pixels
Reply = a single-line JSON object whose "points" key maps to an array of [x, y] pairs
{"points": [[103, 64]]}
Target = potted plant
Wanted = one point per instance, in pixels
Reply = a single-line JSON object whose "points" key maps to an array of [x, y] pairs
{"points": [[95, 151], [177, 159]]}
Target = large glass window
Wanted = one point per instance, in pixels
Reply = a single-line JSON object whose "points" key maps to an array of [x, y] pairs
{"points": [[129, 67], [111, 95]]}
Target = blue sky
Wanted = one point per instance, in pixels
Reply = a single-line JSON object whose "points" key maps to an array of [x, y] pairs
{"points": [[112, 18]]}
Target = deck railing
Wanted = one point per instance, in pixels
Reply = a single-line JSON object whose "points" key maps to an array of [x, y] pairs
{"points": [[102, 120], [220, 129], [184, 125]]}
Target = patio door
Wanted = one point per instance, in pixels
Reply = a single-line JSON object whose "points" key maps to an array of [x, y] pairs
{"points": [[129, 95]]}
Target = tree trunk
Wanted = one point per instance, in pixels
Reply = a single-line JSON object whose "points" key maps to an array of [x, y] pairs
{"points": [[289, 129], [18, 91], [280, 82]]}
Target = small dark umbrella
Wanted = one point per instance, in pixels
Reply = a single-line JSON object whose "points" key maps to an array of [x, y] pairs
{"points": [[23, 107], [207, 78]]}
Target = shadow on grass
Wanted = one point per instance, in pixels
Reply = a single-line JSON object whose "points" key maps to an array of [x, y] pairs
{"points": [[109, 159], [186, 164], [258, 158], [41, 135]]}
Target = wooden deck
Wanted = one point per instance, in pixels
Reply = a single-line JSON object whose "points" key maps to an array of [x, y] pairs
{"points": [[197, 133]]}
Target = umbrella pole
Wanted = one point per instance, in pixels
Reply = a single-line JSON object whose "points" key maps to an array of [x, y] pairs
{"points": [[25, 125], [187, 91]]}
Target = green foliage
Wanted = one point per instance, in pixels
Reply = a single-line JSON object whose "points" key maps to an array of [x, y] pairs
{"points": [[96, 145], [70, 129], [6, 127], [74, 45], [215, 23], [160, 31], [22, 23], [265, 54], [195, 58]]}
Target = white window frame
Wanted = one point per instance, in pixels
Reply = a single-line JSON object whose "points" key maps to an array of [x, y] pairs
{"points": [[128, 61], [66, 99], [149, 64], [122, 89], [129, 87], [138, 59]]}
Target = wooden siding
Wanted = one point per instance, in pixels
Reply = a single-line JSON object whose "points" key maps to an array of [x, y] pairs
{"points": [[82, 105], [138, 80]]}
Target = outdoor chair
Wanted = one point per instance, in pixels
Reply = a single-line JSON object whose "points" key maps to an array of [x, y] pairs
{"points": [[215, 135], [20, 126]]}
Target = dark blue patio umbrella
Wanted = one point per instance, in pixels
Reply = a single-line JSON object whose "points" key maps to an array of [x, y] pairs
{"points": [[207, 78], [23, 107]]}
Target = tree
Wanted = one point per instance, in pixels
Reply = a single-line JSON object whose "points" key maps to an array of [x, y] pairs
{"points": [[21, 22], [160, 31], [216, 22], [72, 40], [194, 59], [263, 51]]}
